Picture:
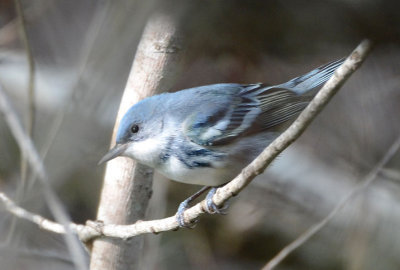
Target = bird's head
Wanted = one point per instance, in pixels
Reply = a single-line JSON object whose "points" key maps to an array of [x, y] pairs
{"points": [[138, 135]]}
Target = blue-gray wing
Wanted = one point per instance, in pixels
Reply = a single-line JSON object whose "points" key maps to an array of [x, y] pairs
{"points": [[253, 108]]}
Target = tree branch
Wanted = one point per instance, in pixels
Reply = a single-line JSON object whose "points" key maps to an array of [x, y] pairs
{"points": [[98, 229], [127, 184]]}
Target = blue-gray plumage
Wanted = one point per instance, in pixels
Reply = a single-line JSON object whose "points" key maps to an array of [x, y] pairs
{"points": [[206, 135]]}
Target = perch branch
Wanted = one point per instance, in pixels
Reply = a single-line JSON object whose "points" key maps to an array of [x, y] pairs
{"points": [[94, 229]]}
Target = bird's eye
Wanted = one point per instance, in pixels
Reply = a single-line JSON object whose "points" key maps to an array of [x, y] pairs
{"points": [[134, 128]]}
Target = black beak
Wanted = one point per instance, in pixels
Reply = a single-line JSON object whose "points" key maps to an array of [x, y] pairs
{"points": [[114, 152]]}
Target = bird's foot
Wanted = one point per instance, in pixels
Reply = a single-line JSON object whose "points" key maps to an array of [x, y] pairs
{"points": [[180, 215], [211, 207], [185, 205]]}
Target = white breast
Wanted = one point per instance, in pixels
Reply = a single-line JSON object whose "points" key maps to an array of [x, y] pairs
{"points": [[174, 169]]}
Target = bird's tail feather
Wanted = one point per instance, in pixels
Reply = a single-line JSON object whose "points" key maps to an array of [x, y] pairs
{"points": [[313, 78]]}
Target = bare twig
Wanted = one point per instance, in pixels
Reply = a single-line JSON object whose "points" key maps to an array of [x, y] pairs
{"points": [[318, 226], [97, 229], [31, 64], [84, 232], [26, 145], [31, 104], [69, 105], [20, 212]]}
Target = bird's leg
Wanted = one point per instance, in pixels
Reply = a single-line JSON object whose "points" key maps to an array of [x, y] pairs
{"points": [[184, 205], [212, 208]]}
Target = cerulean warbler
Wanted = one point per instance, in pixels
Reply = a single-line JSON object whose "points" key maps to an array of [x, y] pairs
{"points": [[206, 135]]}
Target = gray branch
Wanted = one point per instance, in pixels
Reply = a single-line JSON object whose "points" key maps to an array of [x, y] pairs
{"points": [[98, 229]]}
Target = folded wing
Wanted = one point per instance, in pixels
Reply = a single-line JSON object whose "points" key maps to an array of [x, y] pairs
{"points": [[256, 107]]}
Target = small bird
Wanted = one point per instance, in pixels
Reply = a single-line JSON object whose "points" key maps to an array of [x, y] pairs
{"points": [[206, 135]]}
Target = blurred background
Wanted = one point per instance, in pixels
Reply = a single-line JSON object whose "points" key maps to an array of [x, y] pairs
{"points": [[83, 50]]}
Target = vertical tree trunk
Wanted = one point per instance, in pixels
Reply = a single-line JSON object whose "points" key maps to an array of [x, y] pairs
{"points": [[127, 185]]}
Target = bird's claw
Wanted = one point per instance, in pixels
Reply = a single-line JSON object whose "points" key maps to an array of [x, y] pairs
{"points": [[211, 207], [180, 218]]}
